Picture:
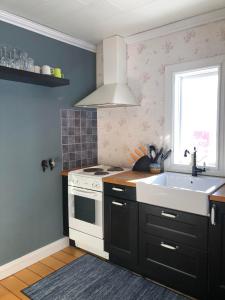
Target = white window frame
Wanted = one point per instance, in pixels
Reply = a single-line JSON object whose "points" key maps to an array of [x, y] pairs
{"points": [[170, 71]]}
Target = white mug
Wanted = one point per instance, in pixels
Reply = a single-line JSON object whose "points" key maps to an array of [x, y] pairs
{"points": [[37, 69], [47, 70]]}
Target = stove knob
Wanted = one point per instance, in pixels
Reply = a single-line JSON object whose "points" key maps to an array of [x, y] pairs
{"points": [[96, 185]]}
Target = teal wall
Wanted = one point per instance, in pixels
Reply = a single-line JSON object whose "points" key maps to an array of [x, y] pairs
{"points": [[30, 200]]}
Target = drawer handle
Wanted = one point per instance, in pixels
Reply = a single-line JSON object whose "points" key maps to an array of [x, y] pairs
{"points": [[118, 203], [167, 215], [168, 246], [117, 189], [213, 215]]}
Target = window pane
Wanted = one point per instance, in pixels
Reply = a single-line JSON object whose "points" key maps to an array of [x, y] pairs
{"points": [[196, 121]]}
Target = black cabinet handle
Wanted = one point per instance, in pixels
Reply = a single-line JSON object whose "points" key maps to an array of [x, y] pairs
{"points": [[118, 203], [168, 215], [213, 215], [168, 246]]}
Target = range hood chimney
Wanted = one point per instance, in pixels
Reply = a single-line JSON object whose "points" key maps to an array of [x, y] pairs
{"points": [[115, 91]]}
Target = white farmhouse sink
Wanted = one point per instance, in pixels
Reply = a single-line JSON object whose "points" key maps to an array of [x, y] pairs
{"points": [[178, 191]]}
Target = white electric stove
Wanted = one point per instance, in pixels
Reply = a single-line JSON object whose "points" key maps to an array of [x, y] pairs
{"points": [[85, 201]]}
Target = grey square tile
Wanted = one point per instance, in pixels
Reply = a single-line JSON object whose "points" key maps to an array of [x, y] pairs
{"points": [[94, 138], [66, 165], [65, 157], [77, 131], [64, 139], [78, 155], [77, 114], [71, 123], [72, 156], [64, 131], [94, 115], [63, 113], [89, 123], [83, 139], [71, 131], [72, 164], [94, 123], [77, 139], [88, 138], [78, 163], [71, 113], [77, 147], [89, 115], [83, 114], [89, 131], [64, 122], [83, 123], [71, 148], [77, 123], [65, 148], [71, 139], [84, 146], [84, 163]]}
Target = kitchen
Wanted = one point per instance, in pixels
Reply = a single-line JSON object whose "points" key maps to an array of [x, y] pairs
{"points": [[39, 123]]}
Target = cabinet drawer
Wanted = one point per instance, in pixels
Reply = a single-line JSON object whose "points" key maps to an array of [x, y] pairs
{"points": [[173, 264], [181, 227], [120, 191]]}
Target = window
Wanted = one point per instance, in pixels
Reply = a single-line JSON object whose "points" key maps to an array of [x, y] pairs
{"points": [[195, 113]]}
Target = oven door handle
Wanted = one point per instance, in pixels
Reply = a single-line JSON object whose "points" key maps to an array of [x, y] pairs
{"points": [[82, 191]]}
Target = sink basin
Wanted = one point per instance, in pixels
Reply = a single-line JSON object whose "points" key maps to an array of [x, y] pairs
{"points": [[178, 191]]}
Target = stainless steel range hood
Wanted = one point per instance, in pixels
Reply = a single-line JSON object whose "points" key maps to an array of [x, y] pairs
{"points": [[115, 91]]}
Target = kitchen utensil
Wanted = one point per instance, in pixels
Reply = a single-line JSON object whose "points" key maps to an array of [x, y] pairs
{"points": [[142, 164], [158, 155], [152, 152], [143, 149], [165, 156], [134, 156], [130, 161], [138, 152]]}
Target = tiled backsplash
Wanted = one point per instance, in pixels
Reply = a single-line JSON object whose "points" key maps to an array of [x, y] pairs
{"points": [[78, 137]]}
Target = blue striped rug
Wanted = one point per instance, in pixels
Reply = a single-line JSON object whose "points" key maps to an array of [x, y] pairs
{"points": [[90, 278]]}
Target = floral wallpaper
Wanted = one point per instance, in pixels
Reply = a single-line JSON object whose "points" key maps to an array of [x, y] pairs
{"points": [[121, 129]]}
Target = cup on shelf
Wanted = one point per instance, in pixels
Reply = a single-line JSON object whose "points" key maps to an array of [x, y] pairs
{"points": [[37, 69], [57, 72], [47, 70], [30, 65]]}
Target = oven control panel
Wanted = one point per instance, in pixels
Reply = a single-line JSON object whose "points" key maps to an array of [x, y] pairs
{"points": [[84, 182]]}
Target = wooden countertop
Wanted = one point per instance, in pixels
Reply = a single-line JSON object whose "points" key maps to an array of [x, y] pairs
{"points": [[219, 195], [65, 172], [128, 178]]}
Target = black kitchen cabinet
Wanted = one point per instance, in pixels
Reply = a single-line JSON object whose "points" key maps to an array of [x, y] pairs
{"points": [[173, 249], [65, 205], [121, 224], [217, 251]]}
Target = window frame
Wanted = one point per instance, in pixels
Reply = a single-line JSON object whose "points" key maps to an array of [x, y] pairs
{"points": [[170, 71]]}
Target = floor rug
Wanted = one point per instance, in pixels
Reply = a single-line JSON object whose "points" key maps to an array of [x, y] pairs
{"points": [[90, 278]]}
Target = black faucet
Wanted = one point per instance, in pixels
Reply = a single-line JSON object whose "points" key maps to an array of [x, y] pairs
{"points": [[195, 169]]}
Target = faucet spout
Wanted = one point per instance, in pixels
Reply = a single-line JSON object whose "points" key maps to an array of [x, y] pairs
{"points": [[195, 169]]}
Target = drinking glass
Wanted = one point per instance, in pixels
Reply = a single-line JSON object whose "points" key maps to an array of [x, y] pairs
{"points": [[30, 64]]}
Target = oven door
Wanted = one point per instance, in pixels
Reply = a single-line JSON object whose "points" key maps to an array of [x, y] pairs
{"points": [[85, 211]]}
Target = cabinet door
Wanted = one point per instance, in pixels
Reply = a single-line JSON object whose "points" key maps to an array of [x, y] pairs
{"points": [[217, 251], [122, 222], [65, 205]]}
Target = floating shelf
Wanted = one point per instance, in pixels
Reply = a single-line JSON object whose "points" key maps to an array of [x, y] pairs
{"points": [[31, 77]]}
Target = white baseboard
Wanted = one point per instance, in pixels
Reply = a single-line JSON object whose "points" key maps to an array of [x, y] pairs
{"points": [[32, 257]]}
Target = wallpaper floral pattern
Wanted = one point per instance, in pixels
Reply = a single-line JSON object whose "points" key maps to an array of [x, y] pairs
{"points": [[121, 129]]}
